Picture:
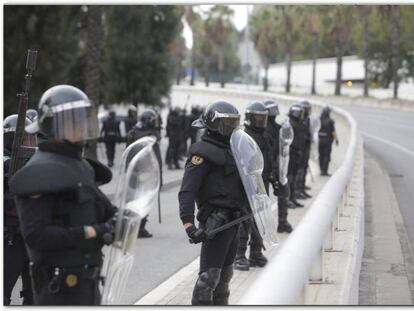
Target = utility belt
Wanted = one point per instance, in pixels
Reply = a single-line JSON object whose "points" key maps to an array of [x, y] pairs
{"points": [[10, 233], [217, 217], [61, 278]]}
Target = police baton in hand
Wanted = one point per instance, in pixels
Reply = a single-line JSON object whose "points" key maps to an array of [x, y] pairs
{"points": [[212, 233]]}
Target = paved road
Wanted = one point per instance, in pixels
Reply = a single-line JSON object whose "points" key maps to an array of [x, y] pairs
{"points": [[389, 136]]}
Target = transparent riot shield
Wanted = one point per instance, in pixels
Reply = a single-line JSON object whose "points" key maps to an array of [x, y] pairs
{"points": [[315, 126], [285, 139], [136, 194], [249, 161]]}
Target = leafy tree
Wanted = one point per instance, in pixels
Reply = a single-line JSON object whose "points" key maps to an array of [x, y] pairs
{"points": [[195, 22], [56, 32], [178, 54], [137, 52], [264, 36]]}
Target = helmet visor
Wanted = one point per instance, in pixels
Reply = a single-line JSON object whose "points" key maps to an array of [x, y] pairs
{"points": [[258, 119], [227, 123], [74, 121]]}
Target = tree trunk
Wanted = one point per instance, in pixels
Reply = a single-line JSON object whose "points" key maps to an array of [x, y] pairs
{"points": [[314, 57], [338, 81], [365, 15], [92, 73], [288, 70], [265, 81], [221, 67], [395, 45], [193, 56]]}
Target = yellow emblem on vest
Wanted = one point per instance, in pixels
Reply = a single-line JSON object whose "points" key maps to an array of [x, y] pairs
{"points": [[71, 280], [197, 160]]}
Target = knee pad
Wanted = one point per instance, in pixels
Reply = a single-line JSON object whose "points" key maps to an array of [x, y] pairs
{"points": [[206, 284]]}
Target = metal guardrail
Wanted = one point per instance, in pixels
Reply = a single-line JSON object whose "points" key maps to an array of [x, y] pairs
{"points": [[300, 259]]}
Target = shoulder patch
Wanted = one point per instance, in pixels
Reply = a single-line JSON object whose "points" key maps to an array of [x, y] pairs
{"points": [[197, 160]]}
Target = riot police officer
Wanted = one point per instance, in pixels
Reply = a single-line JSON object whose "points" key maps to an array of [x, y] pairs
{"points": [[255, 125], [304, 161], [212, 180], [174, 141], [131, 119], [273, 130], [65, 219], [296, 115], [16, 261], [327, 135], [112, 135], [146, 126]]}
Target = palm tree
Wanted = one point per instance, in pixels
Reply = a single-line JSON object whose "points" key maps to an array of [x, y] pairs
{"points": [[365, 11], [264, 36], [219, 30], [193, 19], [92, 70]]}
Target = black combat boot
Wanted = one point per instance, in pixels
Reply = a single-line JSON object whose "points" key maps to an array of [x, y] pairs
{"points": [[257, 259], [284, 226], [241, 263], [143, 233], [222, 292], [204, 288]]}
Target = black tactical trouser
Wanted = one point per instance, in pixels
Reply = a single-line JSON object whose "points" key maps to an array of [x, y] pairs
{"points": [[302, 169], [173, 152], [16, 263], [247, 230], [50, 291], [293, 171], [325, 148], [110, 150], [282, 205]]}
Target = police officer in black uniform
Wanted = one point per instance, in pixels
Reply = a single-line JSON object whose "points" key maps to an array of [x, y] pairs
{"points": [[65, 219], [173, 134], [131, 119], [16, 261], [283, 194], [195, 114], [112, 135], [255, 125], [327, 135], [146, 126], [211, 179], [304, 161], [296, 115]]}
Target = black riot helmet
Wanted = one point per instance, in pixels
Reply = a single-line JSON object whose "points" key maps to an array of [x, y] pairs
{"points": [[272, 107], [31, 114], [326, 111], [147, 119], [65, 113], [307, 107], [220, 117], [9, 129], [296, 112], [256, 115]]}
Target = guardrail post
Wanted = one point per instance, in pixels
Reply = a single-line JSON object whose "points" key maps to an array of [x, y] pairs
{"points": [[330, 238], [316, 274]]}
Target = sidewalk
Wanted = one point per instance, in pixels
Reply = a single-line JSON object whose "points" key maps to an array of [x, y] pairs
{"points": [[177, 290], [388, 260]]}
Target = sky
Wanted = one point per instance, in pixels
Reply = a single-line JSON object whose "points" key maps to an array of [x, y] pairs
{"points": [[239, 20]]}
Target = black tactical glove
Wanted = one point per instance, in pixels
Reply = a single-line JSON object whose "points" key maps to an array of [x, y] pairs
{"points": [[336, 142], [105, 231], [196, 235]]}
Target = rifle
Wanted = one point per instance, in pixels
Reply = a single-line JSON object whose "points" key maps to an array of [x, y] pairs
{"points": [[20, 153]]}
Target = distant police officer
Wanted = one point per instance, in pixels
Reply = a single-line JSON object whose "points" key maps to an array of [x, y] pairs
{"points": [[174, 141], [131, 119], [327, 135], [65, 219], [112, 134], [304, 161], [273, 130], [255, 125], [296, 115], [146, 126], [211, 179], [16, 261]]}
